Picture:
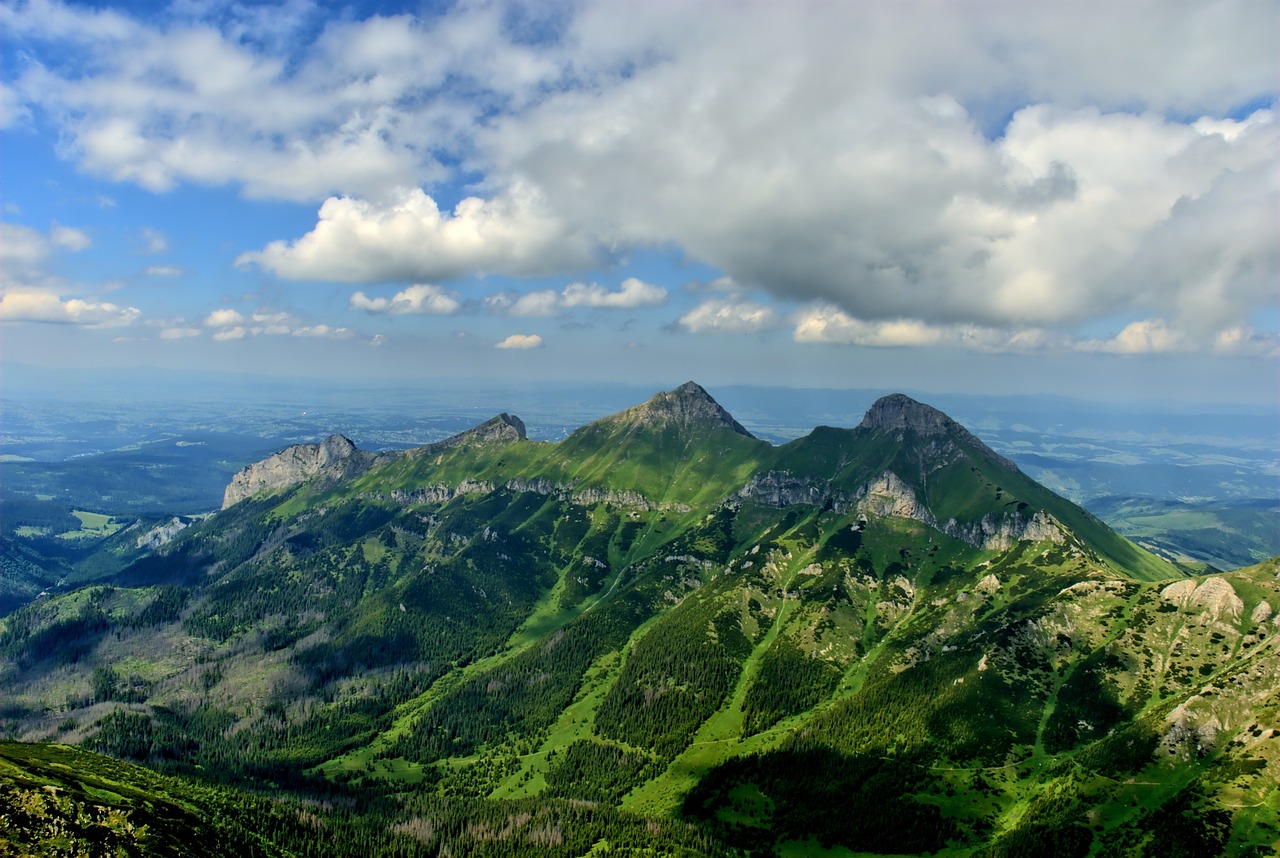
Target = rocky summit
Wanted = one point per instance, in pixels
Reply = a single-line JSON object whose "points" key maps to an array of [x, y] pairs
{"points": [[659, 636], [289, 467]]}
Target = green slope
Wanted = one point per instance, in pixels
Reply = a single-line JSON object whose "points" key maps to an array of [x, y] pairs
{"points": [[664, 616]]}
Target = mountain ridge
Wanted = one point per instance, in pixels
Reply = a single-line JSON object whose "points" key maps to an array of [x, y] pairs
{"points": [[683, 448], [872, 639]]}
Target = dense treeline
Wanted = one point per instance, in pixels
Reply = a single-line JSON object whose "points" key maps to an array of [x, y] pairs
{"points": [[675, 677], [523, 696], [789, 681], [861, 802], [598, 771]]}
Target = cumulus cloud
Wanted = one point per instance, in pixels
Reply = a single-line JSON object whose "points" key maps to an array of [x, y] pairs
{"points": [[224, 318], [632, 294], [825, 323], [32, 305], [339, 106], [408, 238], [322, 331], [521, 341], [1146, 336], [231, 324], [996, 173], [729, 316], [29, 292], [419, 299]]}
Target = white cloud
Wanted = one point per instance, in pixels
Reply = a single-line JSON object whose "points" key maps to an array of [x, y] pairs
{"points": [[231, 324], [1243, 340], [33, 305], [68, 238], [359, 241], [224, 318], [632, 294], [322, 331], [31, 293], [419, 299], [349, 106], [825, 323], [998, 170], [729, 316], [1146, 336], [542, 303], [521, 341]]}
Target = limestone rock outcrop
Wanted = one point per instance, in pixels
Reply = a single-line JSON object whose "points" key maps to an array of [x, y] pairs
{"points": [[291, 466]]}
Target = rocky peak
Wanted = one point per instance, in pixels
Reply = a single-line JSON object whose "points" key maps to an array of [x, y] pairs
{"points": [[688, 406], [897, 413], [503, 429], [290, 466]]}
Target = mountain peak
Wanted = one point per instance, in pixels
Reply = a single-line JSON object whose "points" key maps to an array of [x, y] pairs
{"points": [[686, 406], [897, 412], [503, 429]]}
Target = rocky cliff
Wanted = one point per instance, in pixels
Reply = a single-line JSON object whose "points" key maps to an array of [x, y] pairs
{"points": [[337, 457], [294, 465]]}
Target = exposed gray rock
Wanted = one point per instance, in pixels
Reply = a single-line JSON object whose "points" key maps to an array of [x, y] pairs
{"points": [[889, 495], [163, 534], [443, 493], [289, 467], [993, 533], [780, 489], [337, 458]]}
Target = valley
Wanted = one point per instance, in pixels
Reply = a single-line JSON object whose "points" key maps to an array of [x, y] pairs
{"points": [[661, 633]]}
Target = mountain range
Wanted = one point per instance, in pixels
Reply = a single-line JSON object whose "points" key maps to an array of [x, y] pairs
{"points": [[662, 633]]}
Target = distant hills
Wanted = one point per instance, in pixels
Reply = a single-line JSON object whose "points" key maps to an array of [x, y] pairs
{"points": [[663, 635]]}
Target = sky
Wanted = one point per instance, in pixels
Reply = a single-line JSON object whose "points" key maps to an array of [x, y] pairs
{"points": [[978, 197]]}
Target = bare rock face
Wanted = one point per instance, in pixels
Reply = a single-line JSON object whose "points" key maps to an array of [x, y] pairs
{"points": [[992, 533], [289, 467]]}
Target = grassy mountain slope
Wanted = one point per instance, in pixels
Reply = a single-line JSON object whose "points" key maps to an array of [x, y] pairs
{"points": [[882, 639]]}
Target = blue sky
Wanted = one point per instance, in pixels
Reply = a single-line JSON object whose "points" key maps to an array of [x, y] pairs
{"points": [[975, 197]]}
